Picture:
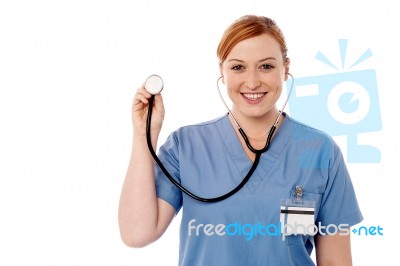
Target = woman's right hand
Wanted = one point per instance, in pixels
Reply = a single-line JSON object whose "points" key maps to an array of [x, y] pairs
{"points": [[140, 108]]}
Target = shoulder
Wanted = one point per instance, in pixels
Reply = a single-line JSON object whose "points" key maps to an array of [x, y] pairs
{"points": [[312, 140], [304, 131], [199, 132], [210, 122], [201, 128]]}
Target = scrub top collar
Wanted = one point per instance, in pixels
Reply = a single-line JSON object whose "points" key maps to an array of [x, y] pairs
{"points": [[277, 145], [269, 159]]}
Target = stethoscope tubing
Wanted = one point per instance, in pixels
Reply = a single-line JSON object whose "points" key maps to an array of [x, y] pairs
{"points": [[185, 190], [257, 152]]}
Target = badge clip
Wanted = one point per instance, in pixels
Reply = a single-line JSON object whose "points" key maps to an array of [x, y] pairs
{"points": [[298, 192]]}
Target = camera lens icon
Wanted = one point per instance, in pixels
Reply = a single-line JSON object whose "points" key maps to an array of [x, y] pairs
{"points": [[348, 103]]}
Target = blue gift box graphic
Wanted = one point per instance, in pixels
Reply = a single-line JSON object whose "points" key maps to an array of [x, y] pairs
{"points": [[344, 103]]}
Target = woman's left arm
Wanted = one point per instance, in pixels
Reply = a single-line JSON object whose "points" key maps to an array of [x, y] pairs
{"points": [[333, 250]]}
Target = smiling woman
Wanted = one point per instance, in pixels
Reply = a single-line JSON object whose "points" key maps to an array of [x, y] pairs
{"points": [[301, 180], [254, 72]]}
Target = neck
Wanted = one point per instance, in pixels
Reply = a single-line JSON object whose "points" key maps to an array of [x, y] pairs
{"points": [[257, 127]]}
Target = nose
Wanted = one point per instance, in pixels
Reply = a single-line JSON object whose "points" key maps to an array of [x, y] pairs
{"points": [[252, 80]]}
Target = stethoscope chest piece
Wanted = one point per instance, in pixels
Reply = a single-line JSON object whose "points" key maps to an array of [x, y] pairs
{"points": [[154, 84]]}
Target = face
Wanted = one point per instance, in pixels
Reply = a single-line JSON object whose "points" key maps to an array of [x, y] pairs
{"points": [[254, 73]]}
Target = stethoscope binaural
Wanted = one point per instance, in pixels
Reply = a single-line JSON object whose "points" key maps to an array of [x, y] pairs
{"points": [[154, 85]]}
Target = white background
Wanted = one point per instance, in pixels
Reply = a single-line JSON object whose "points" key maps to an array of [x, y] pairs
{"points": [[69, 70]]}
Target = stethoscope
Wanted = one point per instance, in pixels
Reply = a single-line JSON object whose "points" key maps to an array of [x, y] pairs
{"points": [[154, 85]]}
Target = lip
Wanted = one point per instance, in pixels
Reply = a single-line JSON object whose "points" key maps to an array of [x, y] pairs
{"points": [[253, 98]]}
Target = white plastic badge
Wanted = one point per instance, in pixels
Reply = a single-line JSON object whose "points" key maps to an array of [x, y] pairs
{"points": [[297, 215]]}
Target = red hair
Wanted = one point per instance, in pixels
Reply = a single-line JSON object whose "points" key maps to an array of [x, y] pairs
{"points": [[247, 27]]}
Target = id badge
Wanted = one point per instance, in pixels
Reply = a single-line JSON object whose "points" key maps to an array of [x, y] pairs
{"points": [[297, 215]]}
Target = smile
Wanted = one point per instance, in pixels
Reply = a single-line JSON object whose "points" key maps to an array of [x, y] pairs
{"points": [[253, 96]]}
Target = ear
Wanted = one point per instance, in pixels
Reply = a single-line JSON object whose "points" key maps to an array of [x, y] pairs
{"points": [[220, 73], [287, 64]]}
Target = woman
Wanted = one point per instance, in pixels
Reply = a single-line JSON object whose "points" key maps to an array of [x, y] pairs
{"points": [[302, 166]]}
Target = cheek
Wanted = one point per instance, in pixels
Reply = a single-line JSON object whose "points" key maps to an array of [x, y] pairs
{"points": [[277, 81], [231, 87], [228, 85], [231, 82]]}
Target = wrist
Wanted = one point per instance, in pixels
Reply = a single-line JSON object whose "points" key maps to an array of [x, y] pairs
{"points": [[142, 137]]}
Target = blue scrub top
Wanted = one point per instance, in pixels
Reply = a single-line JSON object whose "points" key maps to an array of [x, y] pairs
{"points": [[209, 160]]}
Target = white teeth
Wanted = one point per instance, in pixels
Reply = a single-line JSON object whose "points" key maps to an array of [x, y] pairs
{"points": [[253, 96]]}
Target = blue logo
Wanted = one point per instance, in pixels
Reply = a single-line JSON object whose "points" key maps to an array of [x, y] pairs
{"points": [[344, 103], [368, 231]]}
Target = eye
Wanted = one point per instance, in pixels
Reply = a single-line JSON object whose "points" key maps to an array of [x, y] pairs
{"points": [[267, 66], [237, 67]]}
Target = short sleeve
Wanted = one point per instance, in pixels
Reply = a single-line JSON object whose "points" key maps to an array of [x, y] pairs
{"points": [[339, 203], [165, 189]]}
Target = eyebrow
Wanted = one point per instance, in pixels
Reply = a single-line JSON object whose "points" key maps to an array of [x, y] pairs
{"points": [[268, 58]]}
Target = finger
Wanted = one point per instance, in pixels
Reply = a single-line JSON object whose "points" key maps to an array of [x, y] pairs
{"points": [[144, 92], [140, 102], [140, 99], [142, 95]]}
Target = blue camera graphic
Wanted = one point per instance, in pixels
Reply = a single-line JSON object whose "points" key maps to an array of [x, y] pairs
{"points": [[345, 103]]}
